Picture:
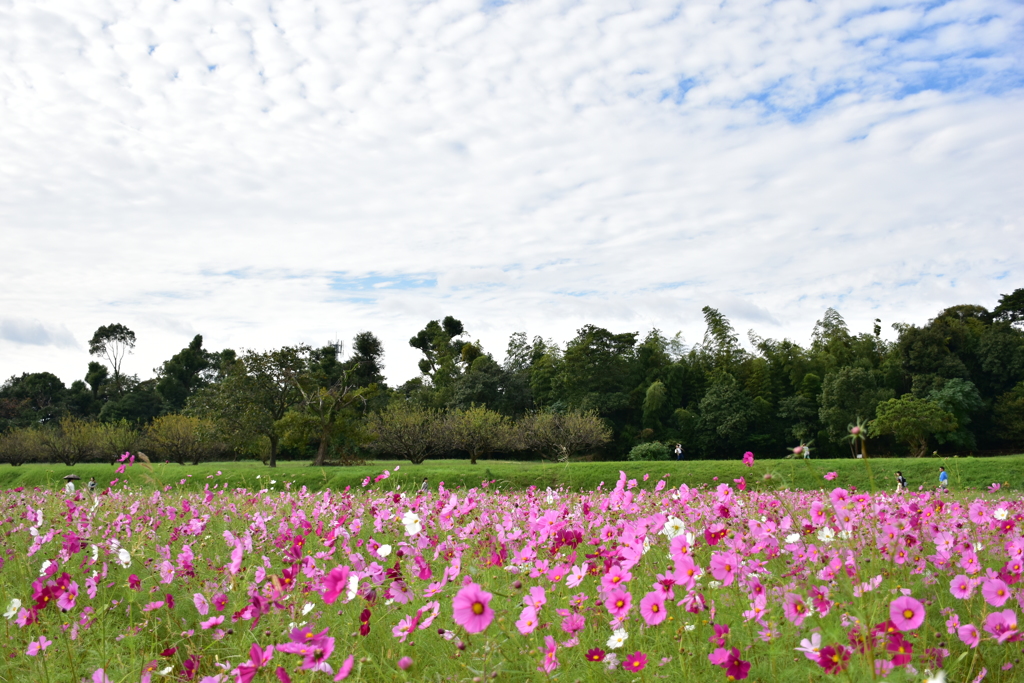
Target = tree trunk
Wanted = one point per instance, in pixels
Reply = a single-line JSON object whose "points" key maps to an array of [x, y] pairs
{"points": [[273, 450], [321, 453]]}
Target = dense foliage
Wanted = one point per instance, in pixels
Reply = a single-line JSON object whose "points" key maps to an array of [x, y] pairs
{"points": [[954, 385]]}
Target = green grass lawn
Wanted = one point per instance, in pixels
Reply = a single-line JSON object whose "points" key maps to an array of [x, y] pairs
{"points": [[965, 473]]}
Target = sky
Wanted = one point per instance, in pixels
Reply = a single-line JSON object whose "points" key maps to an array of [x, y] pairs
{"points": [[278, 172]]}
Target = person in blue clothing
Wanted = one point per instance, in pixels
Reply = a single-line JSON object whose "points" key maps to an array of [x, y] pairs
{"points": [[943, 478]]}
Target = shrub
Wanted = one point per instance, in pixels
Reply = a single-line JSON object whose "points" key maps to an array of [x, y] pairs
{"points": [[654, 450]]}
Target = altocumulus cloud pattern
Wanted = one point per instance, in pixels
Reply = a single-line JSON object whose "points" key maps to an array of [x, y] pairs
{"points": [[272, 172]]}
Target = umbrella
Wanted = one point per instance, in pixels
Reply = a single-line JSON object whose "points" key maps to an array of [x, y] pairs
{"points": [[72, 477]]}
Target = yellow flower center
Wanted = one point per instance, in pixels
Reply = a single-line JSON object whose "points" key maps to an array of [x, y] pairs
{"points": [[478, 608]]}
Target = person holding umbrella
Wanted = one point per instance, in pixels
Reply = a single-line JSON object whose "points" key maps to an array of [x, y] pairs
{"points": [[70, 486]]}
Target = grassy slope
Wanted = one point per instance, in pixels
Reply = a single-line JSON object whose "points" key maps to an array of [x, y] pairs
{"points": [[965, 473]]}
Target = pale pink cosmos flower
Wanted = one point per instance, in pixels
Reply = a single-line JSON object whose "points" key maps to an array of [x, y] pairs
{"points": [[811, 647], [471, 608], [829, 476], [575, 578], [202, 606], [652, 608], [906, 612]]}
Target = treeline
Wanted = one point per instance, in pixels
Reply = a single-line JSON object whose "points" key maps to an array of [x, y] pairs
{"points": [[955, 384]]}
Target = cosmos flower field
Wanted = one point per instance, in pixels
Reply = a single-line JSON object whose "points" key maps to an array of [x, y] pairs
{"points": [[637, 580]]}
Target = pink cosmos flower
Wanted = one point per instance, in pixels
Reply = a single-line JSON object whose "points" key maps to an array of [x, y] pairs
{"points": [[748, 459], [527, 620], [346, 668], [573, 623], [615, 576], [794, 608], [404, 663], [652, 608], [471, 608], [405, 626], [618, 602], [211, 622], [906, 612], [829, 476], [335, 583], [37, 646], [723, 566], [100, 676], [202, 606], [536, 598], [995, 592], [550, 661], [968, 633], [961, 587], [1003, 625]]}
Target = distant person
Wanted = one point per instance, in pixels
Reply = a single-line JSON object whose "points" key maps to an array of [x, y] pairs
{"points": [[943, 478], [92, 485], [69, 487], [424, 487], [901, 482], [679, 451]]}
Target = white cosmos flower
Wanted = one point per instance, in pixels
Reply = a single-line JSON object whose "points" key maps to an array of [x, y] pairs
{"points": [[690, 627], [937, 677], [353, 587], [412, 523], [1001, 514], [46, 565], [826, 535], [95, 553], [124, 558], [617, 639], [12, 608], [793, 538], [673, 527], [165, 671], [384, 550], [307, 608]]}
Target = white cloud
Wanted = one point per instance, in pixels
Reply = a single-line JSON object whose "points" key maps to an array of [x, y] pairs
{"points": [[266, 174]]}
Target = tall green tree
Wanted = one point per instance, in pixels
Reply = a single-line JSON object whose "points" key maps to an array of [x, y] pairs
{"points": [[112, 343]]}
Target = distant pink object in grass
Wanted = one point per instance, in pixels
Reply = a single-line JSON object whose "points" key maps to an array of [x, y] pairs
{"points": [[748, 459]]}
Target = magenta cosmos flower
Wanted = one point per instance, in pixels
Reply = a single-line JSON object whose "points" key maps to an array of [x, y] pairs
{"points": [[471, 607], [748, 459], [906, 612], [635, 662]]}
